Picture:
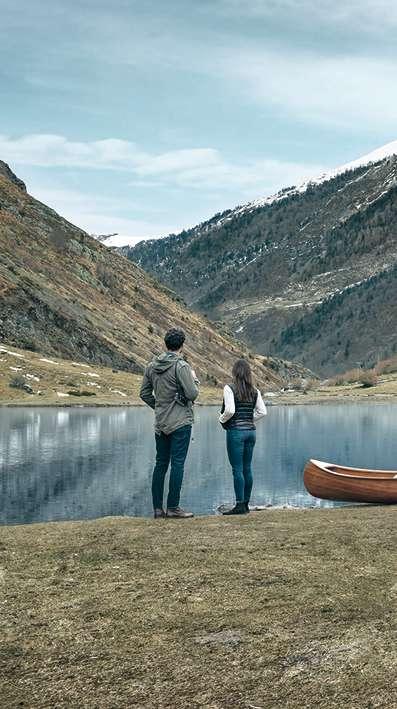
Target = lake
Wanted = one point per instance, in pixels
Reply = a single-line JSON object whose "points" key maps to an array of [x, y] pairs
{"points": [[82, 463]]}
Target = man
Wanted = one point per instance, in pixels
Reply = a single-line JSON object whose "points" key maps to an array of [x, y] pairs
{"points": [[169, 387]]}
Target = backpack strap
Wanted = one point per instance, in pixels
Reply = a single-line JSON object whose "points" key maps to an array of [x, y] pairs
{"points": [[179, 386]]}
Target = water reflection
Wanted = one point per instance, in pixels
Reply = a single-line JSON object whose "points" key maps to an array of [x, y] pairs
{"points": [[86, 463]]}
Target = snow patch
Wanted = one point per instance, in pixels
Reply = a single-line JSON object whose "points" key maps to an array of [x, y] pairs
{"points": [[382, 153], [10, 352]]}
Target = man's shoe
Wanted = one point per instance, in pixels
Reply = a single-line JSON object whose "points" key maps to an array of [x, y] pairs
{"points": [[238, 509], [158, 513], [178, 513]]}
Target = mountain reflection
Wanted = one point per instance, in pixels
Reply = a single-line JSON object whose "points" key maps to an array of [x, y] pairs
{"points": [[87, 463]]}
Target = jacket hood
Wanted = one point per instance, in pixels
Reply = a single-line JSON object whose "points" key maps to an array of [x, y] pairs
{"points": [[164, 361]]}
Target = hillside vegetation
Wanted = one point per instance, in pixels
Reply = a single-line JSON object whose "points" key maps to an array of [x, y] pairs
{"points": [[64, 294], [264, 269], [357, 325]]}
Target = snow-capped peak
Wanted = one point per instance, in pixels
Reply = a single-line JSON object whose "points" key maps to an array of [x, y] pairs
{"points": [[379, 154], [375, 156], [117, 240]]}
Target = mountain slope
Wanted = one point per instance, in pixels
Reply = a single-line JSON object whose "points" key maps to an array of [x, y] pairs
{"points": [[263, 267], [62, 293], [328, 335]]}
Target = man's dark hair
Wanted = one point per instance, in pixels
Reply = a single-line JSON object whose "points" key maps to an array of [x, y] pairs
{"points": [[174, 339]]}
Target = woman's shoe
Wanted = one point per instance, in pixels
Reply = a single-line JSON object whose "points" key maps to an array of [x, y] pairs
{"points": [[159, 513], [247, 507], [238, 509]]}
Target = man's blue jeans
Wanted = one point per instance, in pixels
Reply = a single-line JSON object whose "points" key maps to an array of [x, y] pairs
{"points": [[172, 447], [240, 447]]}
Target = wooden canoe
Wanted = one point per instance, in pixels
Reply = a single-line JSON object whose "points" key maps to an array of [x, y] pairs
{"points": [[336, 482]]}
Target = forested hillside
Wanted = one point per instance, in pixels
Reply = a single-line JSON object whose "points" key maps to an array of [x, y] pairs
{"points": [[331, 334], [263, 268]]}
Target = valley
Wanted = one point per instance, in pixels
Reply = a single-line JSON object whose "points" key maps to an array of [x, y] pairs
{"points": [[276, 266]]}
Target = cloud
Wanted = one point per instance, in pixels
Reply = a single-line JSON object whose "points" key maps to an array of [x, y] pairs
{"points": [[365, 16], [100, 215], [250, 179], [199, 176], [343, 91], [47, 150], [178, 161], [328, 63], [198, 168]]}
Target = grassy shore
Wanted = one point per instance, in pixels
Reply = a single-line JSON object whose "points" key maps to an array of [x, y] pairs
{"points": [[276, 609], [58, 382], [385, 390]]}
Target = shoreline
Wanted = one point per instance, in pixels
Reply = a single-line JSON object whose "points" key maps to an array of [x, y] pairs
{"points": [[255, 510], [30, 380], [293, 401]]}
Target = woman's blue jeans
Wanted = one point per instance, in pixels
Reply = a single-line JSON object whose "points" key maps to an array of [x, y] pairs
{"points": [[240, 444]]}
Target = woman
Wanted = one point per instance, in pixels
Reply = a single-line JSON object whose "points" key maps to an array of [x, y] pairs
{"points": [[242, 406]]}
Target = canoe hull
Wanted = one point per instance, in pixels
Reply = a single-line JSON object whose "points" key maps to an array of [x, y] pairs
{"points": [[329, 482]]}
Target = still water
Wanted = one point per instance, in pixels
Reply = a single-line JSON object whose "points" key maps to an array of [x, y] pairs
{"points": [[91, 462]]}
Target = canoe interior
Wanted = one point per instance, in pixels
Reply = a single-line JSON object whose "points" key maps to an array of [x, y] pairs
{"points": [[359, 472]]}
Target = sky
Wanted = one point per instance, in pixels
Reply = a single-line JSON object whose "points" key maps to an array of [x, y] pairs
{"points": [[146, 117]]}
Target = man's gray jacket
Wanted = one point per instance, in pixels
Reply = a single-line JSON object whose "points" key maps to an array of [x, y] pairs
{"points": [[159, 387]]}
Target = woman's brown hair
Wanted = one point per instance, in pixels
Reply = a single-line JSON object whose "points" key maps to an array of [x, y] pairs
{"points": [[242, 380]]}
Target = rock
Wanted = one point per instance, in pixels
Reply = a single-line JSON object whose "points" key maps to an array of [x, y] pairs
{"points": [[223, 637], [6, 171]]}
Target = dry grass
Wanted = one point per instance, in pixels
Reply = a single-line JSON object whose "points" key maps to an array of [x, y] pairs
{"points": [[284, 609], [59, 381], [350, 377], [387, 366], [58, 378], [368, 378], [383, 388]]}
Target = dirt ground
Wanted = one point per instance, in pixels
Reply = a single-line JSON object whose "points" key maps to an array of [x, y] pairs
{"points": [[279, 608]]}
